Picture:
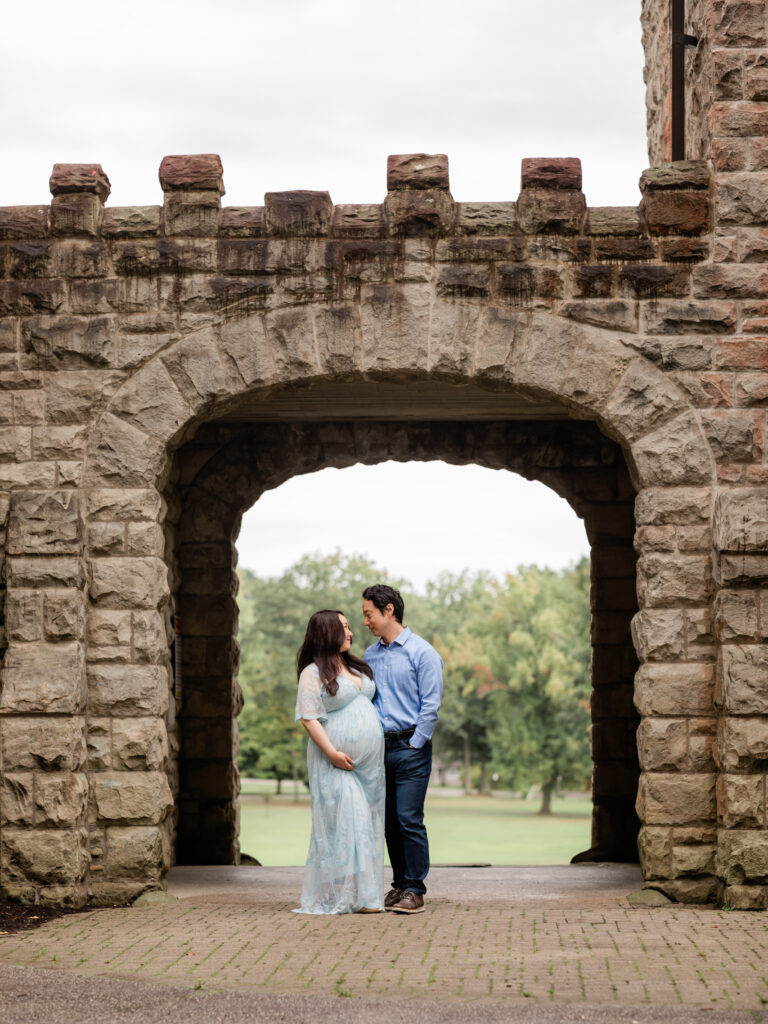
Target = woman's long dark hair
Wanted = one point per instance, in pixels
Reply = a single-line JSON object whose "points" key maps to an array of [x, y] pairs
{"points": [[322, 645]]}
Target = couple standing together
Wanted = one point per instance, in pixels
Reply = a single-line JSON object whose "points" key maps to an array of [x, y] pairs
{"points": [[369, 760]]}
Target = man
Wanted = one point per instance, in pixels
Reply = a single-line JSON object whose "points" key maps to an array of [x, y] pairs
{"points": [[408, 673]]}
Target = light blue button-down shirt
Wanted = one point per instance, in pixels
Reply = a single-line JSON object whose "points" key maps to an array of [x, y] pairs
{"points": [[409, 684]]}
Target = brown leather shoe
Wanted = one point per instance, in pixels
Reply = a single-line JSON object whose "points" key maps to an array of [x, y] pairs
{"points": [[393, 896], [411, 903]]}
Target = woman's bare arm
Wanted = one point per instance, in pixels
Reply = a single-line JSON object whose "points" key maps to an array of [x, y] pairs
{"points": [[319, 736]]}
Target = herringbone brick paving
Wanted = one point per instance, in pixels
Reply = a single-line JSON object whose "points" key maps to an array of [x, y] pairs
{"points": [[557, 935]]}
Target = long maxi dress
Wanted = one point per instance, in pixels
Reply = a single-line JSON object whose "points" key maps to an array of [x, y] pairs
{"points": [[345, 863]]}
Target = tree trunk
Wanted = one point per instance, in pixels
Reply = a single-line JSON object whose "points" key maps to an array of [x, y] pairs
{"points": [[546, 800], [467, 768], [483, 787], [279, 786]]}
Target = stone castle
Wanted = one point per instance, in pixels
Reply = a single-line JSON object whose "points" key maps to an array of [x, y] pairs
{"points": [[160, 367]]}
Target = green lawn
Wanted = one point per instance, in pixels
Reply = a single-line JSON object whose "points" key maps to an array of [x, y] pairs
{"points": [[495, 830]]}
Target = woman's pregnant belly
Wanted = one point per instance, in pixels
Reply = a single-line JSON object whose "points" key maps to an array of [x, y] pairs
{"points": [[356, 730]]}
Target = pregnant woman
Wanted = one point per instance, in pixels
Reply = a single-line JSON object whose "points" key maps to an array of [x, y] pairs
{"points": [[345, 762]]}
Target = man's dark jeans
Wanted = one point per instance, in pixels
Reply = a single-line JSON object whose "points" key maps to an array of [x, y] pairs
{"points": [[407, 772]]}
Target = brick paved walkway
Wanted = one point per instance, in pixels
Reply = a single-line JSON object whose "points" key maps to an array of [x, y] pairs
{"points": [[543, 935]]}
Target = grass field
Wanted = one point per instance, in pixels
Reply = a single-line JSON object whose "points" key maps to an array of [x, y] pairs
{"points": [[495, 830]]}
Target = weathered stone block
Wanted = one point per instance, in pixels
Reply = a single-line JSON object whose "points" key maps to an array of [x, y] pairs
{"points": [[192, 214], [678, 505], [358, 220], [672, 690], [682, 174], [123, 456], [418, 212], [142, 798], [551, 211], [698, 859], [521, 284], [488, 219], [44, 572], [192, 172], [68, 178], [139, 744], [42, 744], [130, 221], [676, 213], [99, 740], [673, 581], [690, 317], [128, 582], [417, 171], [135, 853], [23, 615], [642, 400], [61, 799], [736, 615], [125, 504], [16, 803], [742, 856], [674, 454], [614, 314], [554, 173], [741, 801], [64, 614], [742, 744], [45, 523], [128, 690], [676, 798], [68, 342], [655, 850], [298, 214], [43, 856], [75, 214], [23, 221], [745, 897], [662, 744], [744, 670], [741, 520], [22, 298], [43, 678], [651, 281]]}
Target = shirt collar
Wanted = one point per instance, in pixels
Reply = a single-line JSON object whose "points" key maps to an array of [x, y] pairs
{"points": [[400, 639]]}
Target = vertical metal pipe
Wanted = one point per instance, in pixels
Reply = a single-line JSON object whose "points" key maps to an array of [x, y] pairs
{"points": [[678, 79]]}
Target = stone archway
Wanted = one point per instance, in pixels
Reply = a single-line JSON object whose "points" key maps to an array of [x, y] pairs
{"points": [[233, 369]]}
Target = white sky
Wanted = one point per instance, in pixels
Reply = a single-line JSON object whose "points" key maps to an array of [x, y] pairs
{"points": [[311, 94]]}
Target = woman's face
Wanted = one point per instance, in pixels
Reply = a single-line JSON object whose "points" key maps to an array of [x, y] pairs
{"points": [[347, 635]]}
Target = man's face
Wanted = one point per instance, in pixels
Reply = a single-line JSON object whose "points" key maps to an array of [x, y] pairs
{"points": [[375, 620]]}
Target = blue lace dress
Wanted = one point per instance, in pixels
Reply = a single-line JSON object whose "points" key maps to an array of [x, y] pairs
{"points": [[345, 863]]}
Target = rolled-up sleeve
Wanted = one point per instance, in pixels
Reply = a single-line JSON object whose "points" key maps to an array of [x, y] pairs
{"points": [[430, 677]]}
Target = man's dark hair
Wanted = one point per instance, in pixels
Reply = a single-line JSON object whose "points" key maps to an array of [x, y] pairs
{"points": [[381, 595]]}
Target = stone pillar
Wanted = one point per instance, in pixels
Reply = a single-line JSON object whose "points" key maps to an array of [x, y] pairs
{"points": [[192, 187], [44, 795], [79, 192], [741, 540], [130, 713], [674, 692]]}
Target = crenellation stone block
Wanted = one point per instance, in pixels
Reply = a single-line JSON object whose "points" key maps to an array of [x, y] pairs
{"points": [[68, 179], [418, 212], [551, 211], [489, 219], [192, 172], [300, 214], [75, 214], [131, 221], [417, 171]]}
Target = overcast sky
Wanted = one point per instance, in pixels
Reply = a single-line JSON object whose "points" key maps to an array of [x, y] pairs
{"points": [[309, 94]]}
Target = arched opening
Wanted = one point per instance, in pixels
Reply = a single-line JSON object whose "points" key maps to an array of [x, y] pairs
{"points": [[222, 470]]}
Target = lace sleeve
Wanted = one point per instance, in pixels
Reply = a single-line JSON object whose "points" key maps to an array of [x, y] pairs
{"points": [[309, 703]]}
